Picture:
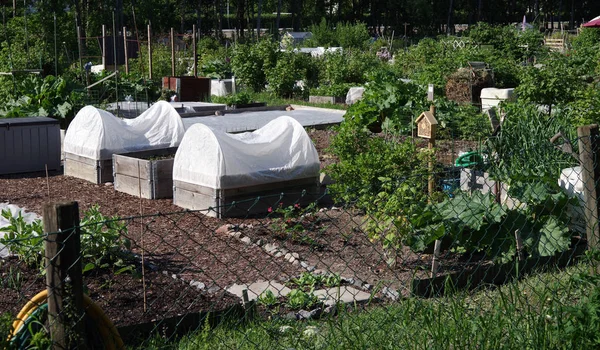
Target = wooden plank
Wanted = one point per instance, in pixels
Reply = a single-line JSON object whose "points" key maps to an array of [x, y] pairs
{"points": [[270, 187], [131, 185], [124, 165], [81, 170], [162, 178], [195, 188], [589, 152], [80, 159], [194, 201]]}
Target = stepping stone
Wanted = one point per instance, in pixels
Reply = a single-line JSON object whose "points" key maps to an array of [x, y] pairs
{"points": [[257, 288], [346, 295]]}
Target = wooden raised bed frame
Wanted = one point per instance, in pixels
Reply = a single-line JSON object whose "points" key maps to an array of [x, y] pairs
{"points": [[92, 170], [251, 200], [137, 174]]}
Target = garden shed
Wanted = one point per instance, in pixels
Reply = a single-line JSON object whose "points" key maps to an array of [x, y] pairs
{"points": [[214, 169], [95, 135]]}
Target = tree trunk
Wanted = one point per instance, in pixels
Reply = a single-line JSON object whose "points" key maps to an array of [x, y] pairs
{"points": [[277, 20], [240, 17], [258, 18], [450, 24]]}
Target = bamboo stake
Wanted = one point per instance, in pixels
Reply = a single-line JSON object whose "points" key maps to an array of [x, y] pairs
{"points": [[142, 235], [47, 180]]}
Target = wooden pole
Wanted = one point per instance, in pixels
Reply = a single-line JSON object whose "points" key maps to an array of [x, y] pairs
{"points": [[149, 52], [63, 275], [194, 35], [104, 46], [431, 145], [79, 48], [172, 52], [435, 263], [125, 50], [589, 146]]}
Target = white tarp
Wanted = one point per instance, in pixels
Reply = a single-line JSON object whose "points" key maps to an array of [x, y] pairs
{"points": [[98, 134], [279, 151]]}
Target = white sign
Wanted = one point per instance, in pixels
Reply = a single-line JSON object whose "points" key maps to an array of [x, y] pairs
{"points": [[430, 92]]}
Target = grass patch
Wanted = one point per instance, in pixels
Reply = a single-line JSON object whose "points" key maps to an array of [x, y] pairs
{"points": [[548, 311]]}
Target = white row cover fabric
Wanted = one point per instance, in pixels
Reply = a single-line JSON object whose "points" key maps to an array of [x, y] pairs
{"points": [[98, 134], [354, 94], [222, 87], [279, 151]]}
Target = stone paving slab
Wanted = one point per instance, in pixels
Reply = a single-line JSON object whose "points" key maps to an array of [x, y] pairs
{"points": [[346, 294], [257, 288]]}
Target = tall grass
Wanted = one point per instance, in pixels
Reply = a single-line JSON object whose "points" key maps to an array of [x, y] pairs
{"points": [[548, 311]]}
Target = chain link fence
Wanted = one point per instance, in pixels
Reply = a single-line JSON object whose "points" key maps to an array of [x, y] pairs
{"points": [[479, 263]]}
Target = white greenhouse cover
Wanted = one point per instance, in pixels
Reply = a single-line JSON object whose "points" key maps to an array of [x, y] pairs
{"points": [[279, 151], [98, 134]]}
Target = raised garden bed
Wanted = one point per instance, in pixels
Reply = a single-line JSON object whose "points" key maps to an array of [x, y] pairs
{"points": [[240, 202], [327, 99], [148, 174]]}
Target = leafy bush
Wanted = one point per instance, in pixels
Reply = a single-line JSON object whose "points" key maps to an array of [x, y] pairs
{"points": [[553, 83], [352, 35], [476, 223], [46, 97], [389, 102], [282, 78], [231, 100], [250, 62], [331, 90]]}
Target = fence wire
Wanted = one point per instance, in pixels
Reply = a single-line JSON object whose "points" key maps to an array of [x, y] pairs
{"points": [[481, 262]]}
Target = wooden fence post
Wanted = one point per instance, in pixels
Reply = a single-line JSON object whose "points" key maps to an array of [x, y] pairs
{"points": [[63, 275], [125, 50], [589, 146], [172, 52], [149, 52], [194, 34]]}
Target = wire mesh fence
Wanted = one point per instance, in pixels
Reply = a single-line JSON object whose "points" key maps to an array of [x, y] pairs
{"points": [[480, 262]]}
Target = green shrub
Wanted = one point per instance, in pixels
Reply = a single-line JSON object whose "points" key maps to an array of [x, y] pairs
{"points": [[352, 35], [251, 62], [282, 78]]}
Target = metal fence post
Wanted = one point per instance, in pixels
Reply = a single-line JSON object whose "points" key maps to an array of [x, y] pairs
{"points": [[590, 175], [63, 275]]}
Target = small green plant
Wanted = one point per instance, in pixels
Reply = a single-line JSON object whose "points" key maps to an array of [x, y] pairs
{"points": [[103, 241], [307, 280], [268, 299], [22, 238], [6, 320], [299, 299]]}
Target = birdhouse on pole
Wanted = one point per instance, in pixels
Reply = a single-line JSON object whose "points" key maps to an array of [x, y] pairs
{"points": [[426, 125]]}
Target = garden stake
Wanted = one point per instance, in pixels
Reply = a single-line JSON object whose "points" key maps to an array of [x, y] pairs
{"points": [[435, 264], [142, 233], [519, 245], [47, 180]]}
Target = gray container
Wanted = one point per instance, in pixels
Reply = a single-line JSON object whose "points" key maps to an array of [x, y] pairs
{"points": [[29, 144]]}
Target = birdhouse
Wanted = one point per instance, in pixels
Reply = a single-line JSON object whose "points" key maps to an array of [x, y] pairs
{"points": [[426, 125]]}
